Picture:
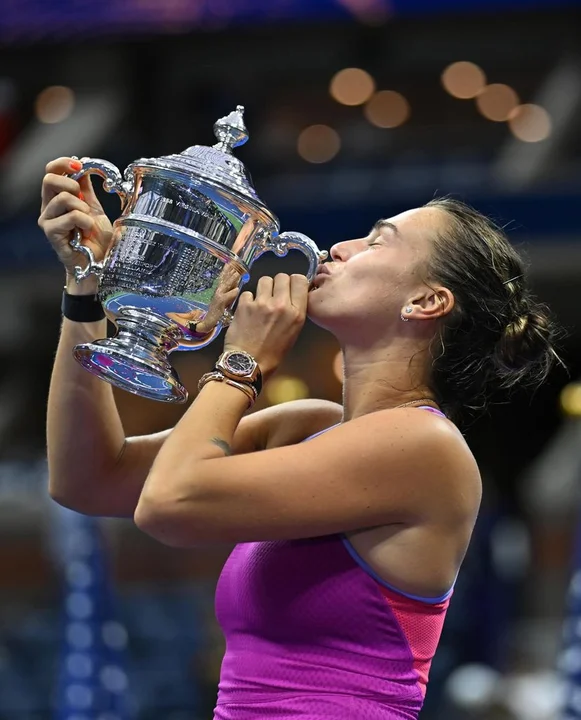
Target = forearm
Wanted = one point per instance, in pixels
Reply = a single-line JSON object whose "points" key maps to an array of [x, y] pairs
{"points": [[205, 432], [84, 431], [174, 496]]}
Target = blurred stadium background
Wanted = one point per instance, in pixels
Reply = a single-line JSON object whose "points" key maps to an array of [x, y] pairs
{"points": [[357, 109]]}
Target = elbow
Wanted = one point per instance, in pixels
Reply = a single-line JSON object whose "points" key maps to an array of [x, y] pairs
{"points": [[163, 520], [151, 518], [79, 505], [69, 500]]}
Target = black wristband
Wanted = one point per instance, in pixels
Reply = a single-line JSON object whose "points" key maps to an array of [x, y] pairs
{"points": [[81, 308], [257, 384]]}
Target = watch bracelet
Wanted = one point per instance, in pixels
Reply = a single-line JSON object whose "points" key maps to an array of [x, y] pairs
{"points": [[217, 376]]}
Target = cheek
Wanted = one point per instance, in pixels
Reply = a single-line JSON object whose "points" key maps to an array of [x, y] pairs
{"points": [[380, 284], [365, 299], [368, 285]]}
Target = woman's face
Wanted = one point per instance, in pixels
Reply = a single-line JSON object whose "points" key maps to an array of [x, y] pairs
{"points": [[371, 279]]}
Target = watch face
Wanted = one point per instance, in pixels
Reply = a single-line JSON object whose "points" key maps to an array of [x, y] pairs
{"points": [[239, 364]]}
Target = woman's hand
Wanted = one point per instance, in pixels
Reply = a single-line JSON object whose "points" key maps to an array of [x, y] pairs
{"points": [[68, 205], [267, 325]]}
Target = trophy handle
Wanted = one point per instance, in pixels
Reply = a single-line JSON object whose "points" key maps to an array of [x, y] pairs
{"points": [[113, 183], [281, 244]]}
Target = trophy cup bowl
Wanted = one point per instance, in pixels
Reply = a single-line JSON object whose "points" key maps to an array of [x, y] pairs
{"points": [[190, 229]]}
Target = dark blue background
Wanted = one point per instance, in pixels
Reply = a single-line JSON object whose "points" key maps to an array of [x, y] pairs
{"points": [[28, 16]]}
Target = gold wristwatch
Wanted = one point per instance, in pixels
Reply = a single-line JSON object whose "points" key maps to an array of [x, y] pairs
{"points": [[241, 367]]}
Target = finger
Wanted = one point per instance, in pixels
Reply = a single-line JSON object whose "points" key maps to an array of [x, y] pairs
{"points": [[264, 287], [69, 166], [230, 296], [299, 292], [53, 184], [63, 225], [61, 165], [281, 289], [89, 191], [245, 297], [64, 202]]}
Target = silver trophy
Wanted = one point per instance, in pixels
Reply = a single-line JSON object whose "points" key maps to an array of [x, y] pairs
{"points": [[190, 229]]}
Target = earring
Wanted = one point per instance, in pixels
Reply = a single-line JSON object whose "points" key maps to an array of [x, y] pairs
{"points": [[407, 310]]}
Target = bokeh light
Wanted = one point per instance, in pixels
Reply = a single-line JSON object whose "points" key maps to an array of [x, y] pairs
{"points": [[571, 399], [463, 80], [530, 123], [387, 109], [318, 143], [285, 388], [368, 12], [352, 86], [54, 104], [497, 101]]}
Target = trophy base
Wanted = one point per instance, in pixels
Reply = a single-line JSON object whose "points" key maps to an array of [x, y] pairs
{"points": [[130, 373], [136, 360]]}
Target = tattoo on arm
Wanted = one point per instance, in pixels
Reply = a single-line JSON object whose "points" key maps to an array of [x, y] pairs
{"points": [[223, 445]]}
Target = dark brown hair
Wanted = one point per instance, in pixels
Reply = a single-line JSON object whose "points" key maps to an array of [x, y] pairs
{"points": [[498, 336]]}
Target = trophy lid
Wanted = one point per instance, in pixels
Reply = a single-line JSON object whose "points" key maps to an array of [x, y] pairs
{"points": [[217, 164]]}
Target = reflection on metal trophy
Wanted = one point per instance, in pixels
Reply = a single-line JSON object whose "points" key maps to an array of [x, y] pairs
{"points": [[190, 229]]}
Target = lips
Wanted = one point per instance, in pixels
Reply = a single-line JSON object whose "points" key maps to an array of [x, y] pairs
{"points": [[323, 271]]}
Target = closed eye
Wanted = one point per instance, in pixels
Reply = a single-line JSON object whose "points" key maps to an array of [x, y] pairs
{"points": [[381, 224]]}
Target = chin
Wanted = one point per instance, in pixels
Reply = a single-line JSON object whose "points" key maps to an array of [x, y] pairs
{"points": [[342, 321], [320, 315], [313, 304]]}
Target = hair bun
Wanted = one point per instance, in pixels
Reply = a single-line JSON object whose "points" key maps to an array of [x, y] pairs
{"points": [[517, 328], [497, 336], [525, 346], [513, 338]]}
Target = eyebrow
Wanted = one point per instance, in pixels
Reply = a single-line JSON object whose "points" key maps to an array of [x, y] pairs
{"points": [[380, 224]]}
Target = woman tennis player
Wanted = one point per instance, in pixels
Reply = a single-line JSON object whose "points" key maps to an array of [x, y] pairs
{"points": [[350, 522]]}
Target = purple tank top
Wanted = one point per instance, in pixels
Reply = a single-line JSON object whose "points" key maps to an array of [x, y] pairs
{"points": [[313, 633]]}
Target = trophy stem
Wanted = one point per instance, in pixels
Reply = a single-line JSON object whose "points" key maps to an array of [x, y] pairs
{"points": [[136, 359]]}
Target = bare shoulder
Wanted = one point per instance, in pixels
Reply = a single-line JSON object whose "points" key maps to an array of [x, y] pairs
{"points": [[423, 446], [426, 453]]}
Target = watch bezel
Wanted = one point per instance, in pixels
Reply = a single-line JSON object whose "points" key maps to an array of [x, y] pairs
{"points": [[225, 362], [247, 358]]}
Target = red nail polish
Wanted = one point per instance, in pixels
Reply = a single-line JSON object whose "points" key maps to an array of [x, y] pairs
{"points": [[75, 165], [81, 196]]}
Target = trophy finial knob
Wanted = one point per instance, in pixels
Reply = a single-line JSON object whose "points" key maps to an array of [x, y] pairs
{"points": [[231, 131]]}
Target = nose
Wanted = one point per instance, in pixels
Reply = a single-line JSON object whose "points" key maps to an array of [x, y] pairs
{"points": [[335, 252], [342, 251]]}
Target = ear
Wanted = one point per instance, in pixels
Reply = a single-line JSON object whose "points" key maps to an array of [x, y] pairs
{"points": [[431, 304]]}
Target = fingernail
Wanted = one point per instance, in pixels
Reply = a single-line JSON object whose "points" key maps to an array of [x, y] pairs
{"points": [[75, 165], [81, 196]]}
